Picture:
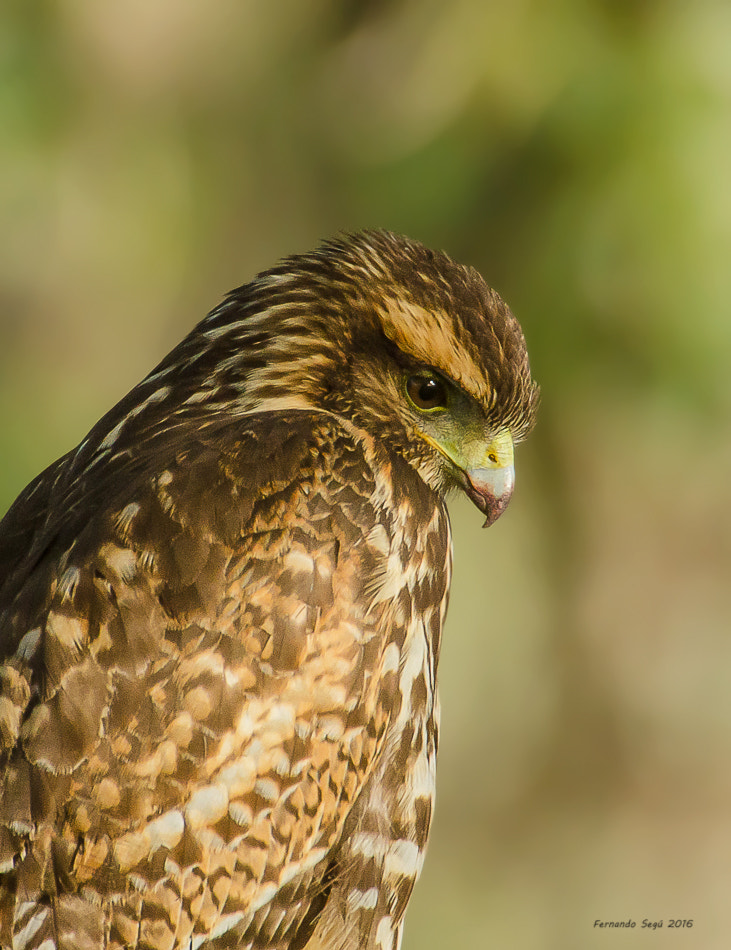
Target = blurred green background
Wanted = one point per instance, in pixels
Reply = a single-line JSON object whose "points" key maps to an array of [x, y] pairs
{"points": [[156, 153]]}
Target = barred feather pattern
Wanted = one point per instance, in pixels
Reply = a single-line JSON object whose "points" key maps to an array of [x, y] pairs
{"points": [[220, 620], [211, 709]]}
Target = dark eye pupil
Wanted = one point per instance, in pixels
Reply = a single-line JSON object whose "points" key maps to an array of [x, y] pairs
{"points": [[427, 392]]}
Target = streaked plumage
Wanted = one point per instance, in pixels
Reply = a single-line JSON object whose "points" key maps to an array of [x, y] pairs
{"points": [[220, 614]]}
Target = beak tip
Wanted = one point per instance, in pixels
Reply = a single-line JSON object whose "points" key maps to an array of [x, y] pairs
{"points": [[494, 510]]}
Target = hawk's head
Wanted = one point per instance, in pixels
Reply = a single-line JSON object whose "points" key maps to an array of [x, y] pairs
{"points": [[396, 338], [390, 336]]}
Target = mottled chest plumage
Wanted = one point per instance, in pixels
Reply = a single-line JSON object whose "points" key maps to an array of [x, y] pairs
{"points": [[385, 834], [257, 672]]}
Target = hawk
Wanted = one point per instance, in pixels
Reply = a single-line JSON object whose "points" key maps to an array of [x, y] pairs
{"points": [[220, 614]]}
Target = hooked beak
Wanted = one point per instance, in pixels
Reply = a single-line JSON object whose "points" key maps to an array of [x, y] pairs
{"points": [[490, 484], [490, 489]]}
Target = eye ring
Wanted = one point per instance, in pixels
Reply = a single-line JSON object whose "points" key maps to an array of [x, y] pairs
{"points": [[427, 391]]}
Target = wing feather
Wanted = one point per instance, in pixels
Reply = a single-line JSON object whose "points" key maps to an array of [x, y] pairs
{"points": [[191, 708]]}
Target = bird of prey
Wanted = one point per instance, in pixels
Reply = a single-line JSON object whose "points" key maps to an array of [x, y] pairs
{"points": [[220, 614]]}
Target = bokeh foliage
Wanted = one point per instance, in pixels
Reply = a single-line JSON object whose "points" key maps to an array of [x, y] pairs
{"points": [[155, 154]]}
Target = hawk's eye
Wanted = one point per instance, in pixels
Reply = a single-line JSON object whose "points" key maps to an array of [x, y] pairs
{"points": [[426, 391]]}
